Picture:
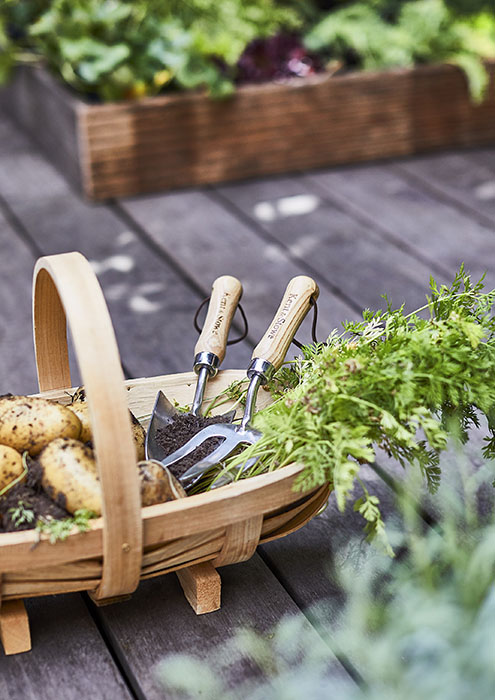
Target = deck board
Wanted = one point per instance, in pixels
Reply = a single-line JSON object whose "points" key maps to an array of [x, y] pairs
{"points": [[17, 354], [157, 621], [436, 233], [141, 288], [340, 249], [207, 239], [459, 179], [69, 658]]}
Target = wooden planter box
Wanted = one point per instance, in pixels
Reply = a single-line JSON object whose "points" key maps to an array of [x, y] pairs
{"points": [[165, 142]]}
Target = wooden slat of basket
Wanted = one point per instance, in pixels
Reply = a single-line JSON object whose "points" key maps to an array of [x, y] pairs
{"points": [[188, 555], [161, 523], [162, 552], [78, 570], [91, 569], [180, 567], [276, 523], [241, 539], [65, 285], [35, 589], [82, 575], [233, 503], [301, 518]]}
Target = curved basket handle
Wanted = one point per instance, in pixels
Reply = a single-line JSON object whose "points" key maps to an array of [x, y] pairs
{"points": [[64, 286]]}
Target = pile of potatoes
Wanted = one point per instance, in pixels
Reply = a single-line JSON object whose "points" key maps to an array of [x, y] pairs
{"points": [[56, 436]]}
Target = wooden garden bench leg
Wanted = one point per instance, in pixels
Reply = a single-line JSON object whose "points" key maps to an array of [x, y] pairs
{"points": [[201, 584], [14, 627]]}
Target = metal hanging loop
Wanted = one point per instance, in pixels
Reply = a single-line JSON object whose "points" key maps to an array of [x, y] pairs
{"points": [[313, 326], [229, 342]]}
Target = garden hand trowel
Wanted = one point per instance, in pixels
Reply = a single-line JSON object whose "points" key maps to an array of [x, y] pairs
{"points": [[267, 357], [209, 354]]}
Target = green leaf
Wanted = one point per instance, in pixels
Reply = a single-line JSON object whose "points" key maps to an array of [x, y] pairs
{"points": [[475, 71], [105, 61]]}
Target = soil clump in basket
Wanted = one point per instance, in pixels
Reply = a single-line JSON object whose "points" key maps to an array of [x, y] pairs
{"points": [[181, 429], [25, 499]]}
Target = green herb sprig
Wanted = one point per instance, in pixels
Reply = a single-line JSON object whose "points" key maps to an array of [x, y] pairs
{"points": [[59, 530], [22, 514], [404, 383]]}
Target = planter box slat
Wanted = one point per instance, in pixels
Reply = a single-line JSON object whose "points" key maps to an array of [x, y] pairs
{"points": [[174, 141]]}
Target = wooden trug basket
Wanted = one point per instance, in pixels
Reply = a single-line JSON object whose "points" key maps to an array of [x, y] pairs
{"points": [[191, 536]]}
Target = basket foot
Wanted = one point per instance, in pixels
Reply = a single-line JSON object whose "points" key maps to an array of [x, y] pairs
{"points": [[201, 584], [14, 627]]}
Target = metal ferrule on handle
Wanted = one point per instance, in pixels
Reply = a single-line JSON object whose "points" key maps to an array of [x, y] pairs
{"points": [[261, 368], [208, 360]]}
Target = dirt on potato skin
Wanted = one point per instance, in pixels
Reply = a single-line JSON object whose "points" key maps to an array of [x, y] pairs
{"points": [[181, 429], [32, 497]]}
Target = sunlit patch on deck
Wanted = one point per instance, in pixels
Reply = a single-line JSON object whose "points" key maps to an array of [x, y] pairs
{"points": [[295, 205], [120, 263]]}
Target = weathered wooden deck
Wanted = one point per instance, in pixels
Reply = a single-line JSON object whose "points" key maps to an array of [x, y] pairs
{"points": [[359, 231]]}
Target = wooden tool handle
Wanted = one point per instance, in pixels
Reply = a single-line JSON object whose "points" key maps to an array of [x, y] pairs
{"points": [[225, 295], [291, 312], [65, 286]]}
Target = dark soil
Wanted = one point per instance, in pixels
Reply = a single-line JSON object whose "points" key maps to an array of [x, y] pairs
{"points": [[179, 431], [30, 497]]}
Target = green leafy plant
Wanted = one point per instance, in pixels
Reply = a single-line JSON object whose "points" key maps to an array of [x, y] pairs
{"points": [[123, 49], [418, 627], [22, 514], [235, 392], [384, 34], [61, 529], [119, 49], [404, 383]]}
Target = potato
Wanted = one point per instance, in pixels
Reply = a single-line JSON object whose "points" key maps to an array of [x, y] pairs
{"points": [[139, 435], [70, 475], [158, 485], [30, 423], [11, 465], [80, 407]]}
